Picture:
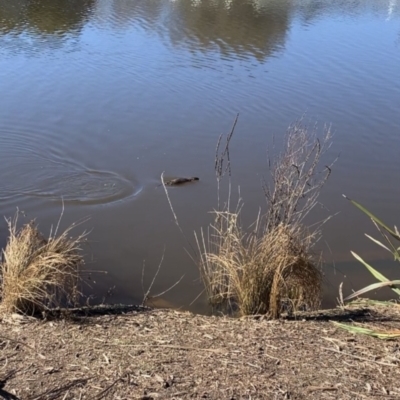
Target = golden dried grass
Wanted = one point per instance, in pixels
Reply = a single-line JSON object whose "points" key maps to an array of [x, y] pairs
{"points": [[272, 268], [37, 273], [258, 273]]}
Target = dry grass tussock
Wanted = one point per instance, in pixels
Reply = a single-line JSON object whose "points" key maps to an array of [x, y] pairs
{"points": [[256, 273], [38, 273], [271, 268]]}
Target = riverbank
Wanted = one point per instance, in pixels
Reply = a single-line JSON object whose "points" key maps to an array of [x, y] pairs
{"points": [[141, 353]]}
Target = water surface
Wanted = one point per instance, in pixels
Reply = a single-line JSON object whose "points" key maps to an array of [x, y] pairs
{"points": [[99, 97]]}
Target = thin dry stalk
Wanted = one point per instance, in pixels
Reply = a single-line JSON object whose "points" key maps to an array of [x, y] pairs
{"points": [[296, 179], [38, 273], [146, 295], [271, 268], [170, 204], [220, 169]]}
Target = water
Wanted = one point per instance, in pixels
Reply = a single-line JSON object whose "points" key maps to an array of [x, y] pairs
{"points": [[99, 97]]}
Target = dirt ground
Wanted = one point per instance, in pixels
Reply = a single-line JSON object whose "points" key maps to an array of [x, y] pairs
{"points": [[137, 353]]}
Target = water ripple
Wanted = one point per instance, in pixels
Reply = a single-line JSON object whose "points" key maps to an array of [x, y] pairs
{"points": [[32, 166]]}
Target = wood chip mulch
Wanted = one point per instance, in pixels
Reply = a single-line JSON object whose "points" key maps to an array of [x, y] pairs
{"points": [[165, 354]]}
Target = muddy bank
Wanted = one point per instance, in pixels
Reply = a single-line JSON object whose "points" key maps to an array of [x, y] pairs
{"points": [[141, 353]]}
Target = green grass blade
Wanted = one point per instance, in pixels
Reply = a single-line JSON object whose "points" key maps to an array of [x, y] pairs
{"points": [[372, 216], [369, 332], [371, 302], [378, 243], [374, 272], [375, 286]]}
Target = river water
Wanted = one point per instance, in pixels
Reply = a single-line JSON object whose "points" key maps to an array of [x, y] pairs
{"points": [[99, 97]]}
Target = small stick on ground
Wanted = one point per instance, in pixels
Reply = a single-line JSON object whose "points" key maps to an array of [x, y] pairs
{"points": [[52, 394], [23, 344], [107, 389]]}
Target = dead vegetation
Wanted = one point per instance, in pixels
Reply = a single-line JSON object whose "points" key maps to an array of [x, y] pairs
{"points": [[36, 273], [165, 354], [270, 267], [259, 274]]}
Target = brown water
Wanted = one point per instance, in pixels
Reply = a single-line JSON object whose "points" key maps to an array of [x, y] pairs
{"points": [[99, 97]]}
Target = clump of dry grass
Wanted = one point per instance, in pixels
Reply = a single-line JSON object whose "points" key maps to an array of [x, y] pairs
{"points": [[260, 272], [271, 268], [37, 273]]}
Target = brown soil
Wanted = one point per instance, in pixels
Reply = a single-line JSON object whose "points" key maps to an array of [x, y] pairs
{"points": [[137, 353]]}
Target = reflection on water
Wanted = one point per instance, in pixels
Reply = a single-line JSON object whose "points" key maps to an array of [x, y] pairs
{"points": [[231, 27], [313, 9], [99, 97], [44, 17], [255, 27], [237, 26], [26, 25]]}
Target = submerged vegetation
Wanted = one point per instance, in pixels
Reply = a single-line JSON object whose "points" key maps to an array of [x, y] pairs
{"points": [[273, 267], [38, 273]]}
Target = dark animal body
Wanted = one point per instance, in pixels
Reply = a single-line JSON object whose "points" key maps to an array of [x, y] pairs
{"points": [[180, 181]]}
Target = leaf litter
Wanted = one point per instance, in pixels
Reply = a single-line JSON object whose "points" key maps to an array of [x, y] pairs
{"points": [[142, 353]]}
